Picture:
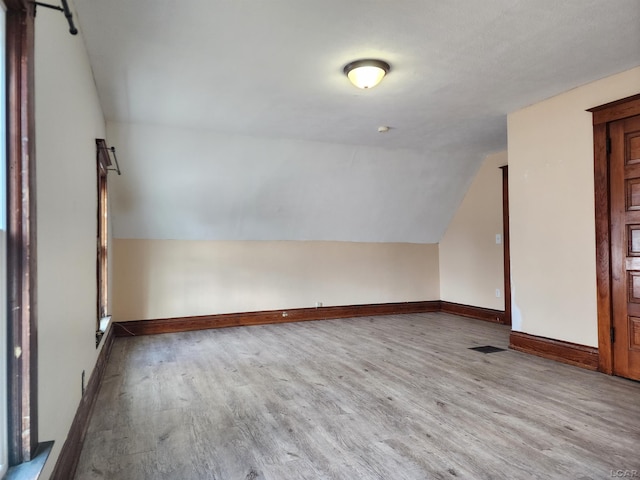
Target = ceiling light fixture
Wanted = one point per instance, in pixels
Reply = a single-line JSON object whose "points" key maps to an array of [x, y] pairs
{"points": [[366, 73]]}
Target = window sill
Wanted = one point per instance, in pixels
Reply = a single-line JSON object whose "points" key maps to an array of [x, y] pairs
{"points": [[102, 328], [31, 470]]}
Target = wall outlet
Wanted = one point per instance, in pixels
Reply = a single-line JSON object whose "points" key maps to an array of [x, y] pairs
{"points": [[285, 314], [318, 304], [498, 293], [498, 239]]}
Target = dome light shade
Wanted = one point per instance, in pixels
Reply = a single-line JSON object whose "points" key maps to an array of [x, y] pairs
{"points": [[366, 73]]}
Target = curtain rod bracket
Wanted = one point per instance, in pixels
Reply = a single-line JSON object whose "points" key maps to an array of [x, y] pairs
{"points": [[113, 151], [64, 9]]}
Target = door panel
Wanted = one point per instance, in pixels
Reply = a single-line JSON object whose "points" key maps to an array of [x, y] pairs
{"points": [[625, 245], [633, 237], [634, 333]]}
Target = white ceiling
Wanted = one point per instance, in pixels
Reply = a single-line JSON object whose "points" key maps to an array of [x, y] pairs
{"points": [[273, 70]]}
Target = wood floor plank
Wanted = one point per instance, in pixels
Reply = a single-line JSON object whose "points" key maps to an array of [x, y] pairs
{"points": [[394, 397]]}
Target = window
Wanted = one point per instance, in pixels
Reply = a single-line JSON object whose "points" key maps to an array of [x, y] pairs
{"points": [[21, 285], [102, 265], [4, 456], [103, 164]]}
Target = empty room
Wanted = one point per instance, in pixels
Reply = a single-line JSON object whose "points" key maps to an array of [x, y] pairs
{"points": [[320, 240]]}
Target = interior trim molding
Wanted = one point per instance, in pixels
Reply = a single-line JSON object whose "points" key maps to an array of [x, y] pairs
{"points": [[623, 108], [558, 350], [70, 454], [22, 237], [479, 313], [203, 322], [602, 115], [186, 324], [506, 244], [32, 469], [571, 353]]}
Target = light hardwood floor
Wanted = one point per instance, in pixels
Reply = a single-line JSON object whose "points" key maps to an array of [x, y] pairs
{"points": [[393, 398]]}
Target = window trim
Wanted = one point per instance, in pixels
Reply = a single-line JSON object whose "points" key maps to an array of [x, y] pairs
{"points": [[4, 403], [103, 164], [102, 271], [22, 347]]}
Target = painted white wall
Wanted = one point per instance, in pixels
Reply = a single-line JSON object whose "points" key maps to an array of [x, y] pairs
{"points": [[552, 219], [189, 184], [471, 263], [176, 278], [68, 120]]}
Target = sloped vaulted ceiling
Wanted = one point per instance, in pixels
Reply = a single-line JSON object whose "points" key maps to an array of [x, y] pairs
{"points": [[233, 119]]}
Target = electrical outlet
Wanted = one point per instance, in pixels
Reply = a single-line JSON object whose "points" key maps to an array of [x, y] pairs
{"points": [[498, 239], [498, 293], [285, 314], [318, 304]]}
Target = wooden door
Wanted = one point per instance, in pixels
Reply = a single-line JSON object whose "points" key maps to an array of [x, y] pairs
{"points": [[624, 155]]}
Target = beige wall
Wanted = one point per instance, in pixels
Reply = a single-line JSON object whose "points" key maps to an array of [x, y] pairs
{"points": [[68, 119], [175, 278], [551, 194], [471, 263]]}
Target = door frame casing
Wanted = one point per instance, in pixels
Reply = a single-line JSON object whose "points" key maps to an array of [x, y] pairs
{"points": [[602, 116], [506, 244]]}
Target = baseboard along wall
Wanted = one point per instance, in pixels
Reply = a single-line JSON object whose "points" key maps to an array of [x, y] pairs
{"points": [[566, 352], [558, 350], [185, 324], [578, 355], [70, 454], [203, 322], [479, 313]]}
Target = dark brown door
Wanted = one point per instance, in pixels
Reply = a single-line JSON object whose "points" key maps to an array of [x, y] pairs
{"points": [[625, 245]]}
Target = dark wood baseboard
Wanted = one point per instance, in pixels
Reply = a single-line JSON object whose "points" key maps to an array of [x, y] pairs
{"points": [[70, 454], [479, 313], [579, 355], [185, 324], [558, 350]]}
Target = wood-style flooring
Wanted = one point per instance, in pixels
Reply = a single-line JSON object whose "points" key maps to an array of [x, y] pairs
{"points": [[391, 398]]}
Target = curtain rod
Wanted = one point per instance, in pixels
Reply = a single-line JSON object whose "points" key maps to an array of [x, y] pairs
{"points": [[113, 151], [64, 9]]}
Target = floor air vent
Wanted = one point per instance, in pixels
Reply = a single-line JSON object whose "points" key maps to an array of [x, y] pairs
{"points": [[487, 349]]}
